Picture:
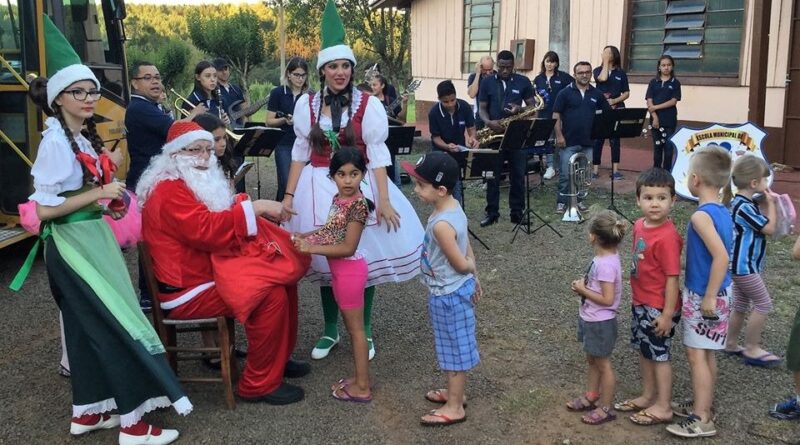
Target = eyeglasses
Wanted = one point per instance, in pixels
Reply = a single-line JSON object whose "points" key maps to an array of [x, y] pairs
{"points": [[197, 150], [299, 75], [80, 94], [583, 73], [149, 78]]}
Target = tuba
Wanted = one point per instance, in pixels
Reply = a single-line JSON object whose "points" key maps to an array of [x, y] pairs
{"points": [[578, 186], [180, 101], [486, 135]]}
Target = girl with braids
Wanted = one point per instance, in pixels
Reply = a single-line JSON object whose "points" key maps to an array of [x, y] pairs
{"points": [[341, 115], [116, 358]]}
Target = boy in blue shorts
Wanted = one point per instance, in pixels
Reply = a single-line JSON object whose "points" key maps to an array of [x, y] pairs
{"points": [[655, 293], [448, 269], [707, 292]]}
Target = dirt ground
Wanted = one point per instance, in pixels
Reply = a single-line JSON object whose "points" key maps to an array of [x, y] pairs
{"points": [[531, 363]]}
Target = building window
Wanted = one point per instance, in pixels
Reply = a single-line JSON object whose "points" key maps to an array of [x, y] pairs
{"points": [[703, 36], [481, 31]]}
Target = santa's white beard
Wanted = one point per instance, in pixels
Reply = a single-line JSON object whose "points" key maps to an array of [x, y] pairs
{"points": [[208, 184]]}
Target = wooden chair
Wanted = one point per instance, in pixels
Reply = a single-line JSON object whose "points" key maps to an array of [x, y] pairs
{"points": [[169, 328]]}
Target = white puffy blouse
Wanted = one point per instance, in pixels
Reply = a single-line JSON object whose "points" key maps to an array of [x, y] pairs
{"points": [[374, 128], [56, 170]]}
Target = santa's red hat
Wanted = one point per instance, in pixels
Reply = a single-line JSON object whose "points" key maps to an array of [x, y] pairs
{"points": [[183, 133]]}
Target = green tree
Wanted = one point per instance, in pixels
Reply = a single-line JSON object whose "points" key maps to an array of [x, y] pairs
{"points": [[241, 38], [386, 33], [172, 57]]}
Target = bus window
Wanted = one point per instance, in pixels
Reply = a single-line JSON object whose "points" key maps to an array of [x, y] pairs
{"points": [[89, 27], [10, 36]]}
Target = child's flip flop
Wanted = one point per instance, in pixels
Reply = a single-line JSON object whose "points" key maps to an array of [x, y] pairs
{"points": [[767, 360], [644, 418], [438, 396], [341, 394], [628, 406], [445, 420]]}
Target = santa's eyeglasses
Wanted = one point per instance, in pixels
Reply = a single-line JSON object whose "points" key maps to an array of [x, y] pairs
{"points": [[196, 150]]}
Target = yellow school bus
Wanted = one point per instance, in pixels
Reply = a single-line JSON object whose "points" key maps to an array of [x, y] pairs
{"points": [[96, 31]]}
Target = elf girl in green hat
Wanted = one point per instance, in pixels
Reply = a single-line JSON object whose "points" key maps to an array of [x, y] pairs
{"points": [[341, 115], [117, 360]]}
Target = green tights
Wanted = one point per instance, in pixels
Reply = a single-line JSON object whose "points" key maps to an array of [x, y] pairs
{"points": [[330, 311]]}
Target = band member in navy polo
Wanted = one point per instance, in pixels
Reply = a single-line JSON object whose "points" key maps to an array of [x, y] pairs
{"points": [[548, 84], [663, 94], [146, 126], [280, 109], [230, 92], [574, 111], [501, 96], [613, 83], [205, 91], [484, 68], [449, 121]]}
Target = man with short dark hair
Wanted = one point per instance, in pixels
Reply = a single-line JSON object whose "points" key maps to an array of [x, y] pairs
{"points": [[448, 120], [574, 110], [502, 95], [146, 121]]}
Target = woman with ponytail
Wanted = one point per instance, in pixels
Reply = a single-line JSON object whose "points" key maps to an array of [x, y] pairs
{"points": [[117, 360], [341, 115]]}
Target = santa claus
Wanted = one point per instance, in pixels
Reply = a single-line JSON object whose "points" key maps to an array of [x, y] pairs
{"points": [[215, 254]]}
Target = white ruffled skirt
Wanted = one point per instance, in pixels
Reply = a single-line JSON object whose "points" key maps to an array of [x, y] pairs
{"points": [[391, 256]]}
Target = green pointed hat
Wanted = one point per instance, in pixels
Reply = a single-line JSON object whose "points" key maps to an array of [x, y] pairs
{"points": [[333, 38], [64, 67]]}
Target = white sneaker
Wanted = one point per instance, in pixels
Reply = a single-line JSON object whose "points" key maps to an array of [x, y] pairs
{"points": [[371, 345], [165, 437], [112, 421], [549, 173], [327, 344]]}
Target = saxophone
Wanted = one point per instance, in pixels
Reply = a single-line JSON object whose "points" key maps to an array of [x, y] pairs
{"points": [[486, 135]]}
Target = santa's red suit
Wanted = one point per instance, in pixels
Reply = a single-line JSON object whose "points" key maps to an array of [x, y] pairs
{"points": [[230, 263]]}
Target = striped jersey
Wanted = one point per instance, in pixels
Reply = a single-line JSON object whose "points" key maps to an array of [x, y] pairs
{"points": [[749, 243]]}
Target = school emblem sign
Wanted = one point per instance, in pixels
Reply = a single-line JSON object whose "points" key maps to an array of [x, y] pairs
{"points": [[740, 140]]}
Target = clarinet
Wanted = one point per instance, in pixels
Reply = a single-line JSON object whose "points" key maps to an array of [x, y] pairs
{"points": [[220, 113]]}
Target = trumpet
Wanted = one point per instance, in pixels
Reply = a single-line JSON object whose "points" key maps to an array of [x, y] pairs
{"points": [[179, 103]]}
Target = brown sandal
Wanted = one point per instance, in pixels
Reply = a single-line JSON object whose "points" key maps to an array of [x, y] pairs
{"points": [[582, 403]]}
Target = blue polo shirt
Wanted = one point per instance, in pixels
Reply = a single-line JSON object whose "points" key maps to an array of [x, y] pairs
{"points": [[450, 127], [198, 96], [230, 95], [616, 84], [578, 111], [662, 91], [549, 89], [282, 99], [146, 126], [499, 94]]}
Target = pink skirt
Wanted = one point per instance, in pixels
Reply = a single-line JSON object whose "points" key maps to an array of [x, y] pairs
{"points": [[348, 279]]}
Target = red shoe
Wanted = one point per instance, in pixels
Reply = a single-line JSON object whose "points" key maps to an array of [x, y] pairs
{"points": [[93, 422], [144, 434]]}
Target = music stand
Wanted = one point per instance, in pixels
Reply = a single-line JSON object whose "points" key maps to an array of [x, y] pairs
{"points": [[537, 137], [620, 123], [481, 163], [258, 142], [400, 141]]}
